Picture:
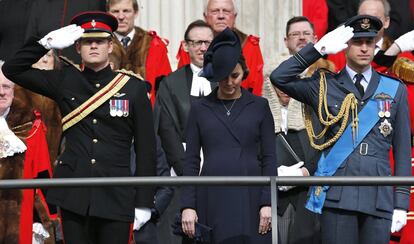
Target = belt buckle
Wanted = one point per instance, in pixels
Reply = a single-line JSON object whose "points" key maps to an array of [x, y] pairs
{"points": [[363, 148]]}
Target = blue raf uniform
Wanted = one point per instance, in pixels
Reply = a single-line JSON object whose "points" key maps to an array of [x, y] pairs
{"points": [[356, 214]]}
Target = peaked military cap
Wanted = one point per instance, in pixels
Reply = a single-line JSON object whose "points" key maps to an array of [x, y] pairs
{"points": [[221, 56], [97, 24], [364, 25]]}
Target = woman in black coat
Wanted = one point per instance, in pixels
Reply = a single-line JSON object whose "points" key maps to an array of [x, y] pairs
{"points": [[234, 129]]}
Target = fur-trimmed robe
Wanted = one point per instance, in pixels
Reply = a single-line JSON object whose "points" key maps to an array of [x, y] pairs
{"points": [[51, 117], [17, 206], [146, 56]]}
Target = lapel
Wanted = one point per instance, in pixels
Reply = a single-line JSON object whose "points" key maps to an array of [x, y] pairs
{"points": [[189, 78], [216, 106], [346, 83], [372, 85]]}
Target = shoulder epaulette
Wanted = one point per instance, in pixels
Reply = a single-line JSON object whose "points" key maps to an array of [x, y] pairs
{"points": [[391, 77], [69, 62], [130, 73], [326, 71], [403, 68]]}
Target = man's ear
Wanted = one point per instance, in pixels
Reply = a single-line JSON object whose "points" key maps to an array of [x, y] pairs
{"points": [[185, 46], [77, 46], [386, 23], [110, 46]]}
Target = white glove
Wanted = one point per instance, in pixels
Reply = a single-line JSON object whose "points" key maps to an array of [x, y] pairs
{"points": [[334, 41], [40, 234], [62, 38], [294, 170], [399, 220], [406, 41], [142, 215]]}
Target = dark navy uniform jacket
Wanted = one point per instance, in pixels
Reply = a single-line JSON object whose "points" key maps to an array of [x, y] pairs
{"points": [[371, 161], [99, 145]]}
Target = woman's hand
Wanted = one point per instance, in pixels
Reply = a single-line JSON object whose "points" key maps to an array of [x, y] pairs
{"points": [[265, 222], [188, 220]]}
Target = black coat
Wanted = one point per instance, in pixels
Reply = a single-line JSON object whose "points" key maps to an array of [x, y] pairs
{"points": [[339, 11], [13, 22], [241, 144], [306, 224], [99, 145], [172, 107], [299, 142]]}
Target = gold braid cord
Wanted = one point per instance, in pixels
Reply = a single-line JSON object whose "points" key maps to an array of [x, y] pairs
{"points": [[349, 103]]}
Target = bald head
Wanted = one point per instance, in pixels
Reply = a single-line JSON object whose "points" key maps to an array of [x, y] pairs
{"points": [[220, 14], [379, 9]]}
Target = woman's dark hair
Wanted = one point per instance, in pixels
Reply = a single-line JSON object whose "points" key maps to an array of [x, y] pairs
{"points": [[242, 62]]}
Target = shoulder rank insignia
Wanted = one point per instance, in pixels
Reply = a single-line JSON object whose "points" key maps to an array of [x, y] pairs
{"points": [[130, 73], [69, 62]]}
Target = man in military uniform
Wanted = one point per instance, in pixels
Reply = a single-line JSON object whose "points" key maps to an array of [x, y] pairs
{"points": [[365, 113], [102, 112]]}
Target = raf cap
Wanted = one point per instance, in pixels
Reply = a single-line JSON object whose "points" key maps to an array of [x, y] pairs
{"points": [[364, 25], [222, 56], [96, 24]]}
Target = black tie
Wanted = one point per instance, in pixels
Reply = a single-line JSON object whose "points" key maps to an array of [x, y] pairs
{"points": [[125, 41], [360, 88]]}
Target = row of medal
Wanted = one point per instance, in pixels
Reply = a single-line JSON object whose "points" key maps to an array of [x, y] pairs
{"points": [[118, 108], [384, 111]]}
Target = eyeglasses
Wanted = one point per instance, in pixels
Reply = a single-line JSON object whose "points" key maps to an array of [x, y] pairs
{"points": [[296, 34], [198, 43]]}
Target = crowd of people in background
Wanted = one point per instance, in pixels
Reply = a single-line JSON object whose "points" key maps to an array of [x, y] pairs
{"points": [[84, 92]]}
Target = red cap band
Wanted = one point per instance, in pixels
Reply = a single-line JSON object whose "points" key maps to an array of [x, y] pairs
{"points": [[98, 25]]}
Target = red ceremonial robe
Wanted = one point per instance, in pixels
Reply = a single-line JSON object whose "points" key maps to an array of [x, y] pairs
{"points": [[254, 61]]}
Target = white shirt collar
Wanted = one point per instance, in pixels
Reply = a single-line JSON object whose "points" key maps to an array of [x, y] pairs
{"points": [[284, 119], [195, 68], [200, 86], [367, 76], [130, 35], [4, 115], [378, 45]]}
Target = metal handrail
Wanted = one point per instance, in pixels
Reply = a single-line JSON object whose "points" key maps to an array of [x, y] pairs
{"points": [[212, 180], [207, 180]]}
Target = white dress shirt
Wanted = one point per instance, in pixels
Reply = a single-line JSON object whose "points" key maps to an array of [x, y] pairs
{"points": [[367, 76], [200, 86], [130, 35]]}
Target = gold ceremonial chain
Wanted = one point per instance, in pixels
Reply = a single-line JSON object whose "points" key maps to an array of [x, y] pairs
{"points": [[349, 103], [21, 130]]}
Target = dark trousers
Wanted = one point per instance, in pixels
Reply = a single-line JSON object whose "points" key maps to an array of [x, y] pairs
{"points": [[78, 229], [164, 229], [147, 234], [342, 226]]}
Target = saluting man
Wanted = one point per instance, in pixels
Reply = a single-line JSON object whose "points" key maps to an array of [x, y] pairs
{"points": [[365, 114], [102, 112]]}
